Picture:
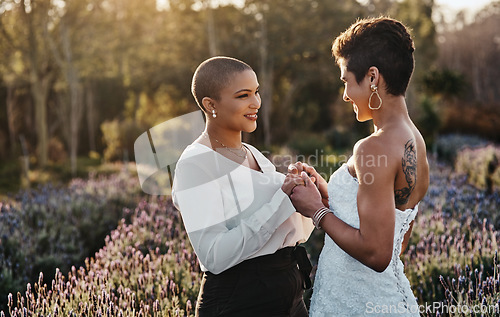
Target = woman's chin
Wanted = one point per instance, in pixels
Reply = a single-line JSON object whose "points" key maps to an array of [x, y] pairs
{"points": [[250, 129], [361, 118]]}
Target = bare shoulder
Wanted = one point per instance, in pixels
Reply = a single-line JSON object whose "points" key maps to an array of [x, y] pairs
{"points": [[375, 151]]}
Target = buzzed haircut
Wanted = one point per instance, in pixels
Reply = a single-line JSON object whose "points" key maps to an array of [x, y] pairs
{"points": [[213, 75], [381, 42]]}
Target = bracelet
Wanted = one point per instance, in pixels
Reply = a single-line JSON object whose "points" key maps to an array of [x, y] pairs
{"points": [[318, 215]]}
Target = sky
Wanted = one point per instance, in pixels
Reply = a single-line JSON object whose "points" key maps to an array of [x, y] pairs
{"points": [[450, 7], [473, 5]]}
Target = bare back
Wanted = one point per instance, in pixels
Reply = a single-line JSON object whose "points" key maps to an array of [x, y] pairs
{"points": [[404, 158], [412, 178]]}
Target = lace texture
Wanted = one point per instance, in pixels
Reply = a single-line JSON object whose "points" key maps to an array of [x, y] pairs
{"points": [[346, 287]]}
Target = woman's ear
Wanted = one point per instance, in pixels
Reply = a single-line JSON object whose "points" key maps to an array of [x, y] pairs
{"points": [[208, 104], [374, 75]]}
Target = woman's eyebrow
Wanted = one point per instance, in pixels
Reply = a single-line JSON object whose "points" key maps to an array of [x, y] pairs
{"points": [[242, 90], [245, 90]]}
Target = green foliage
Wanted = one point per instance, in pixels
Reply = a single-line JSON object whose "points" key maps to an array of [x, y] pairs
{"points": [[429, 120], [142, 71], [446, 82], [308, 144], [448, 146], [417, 15], [10, 181], [119, 137], [152, 110], [341, 139], [481, 165]]}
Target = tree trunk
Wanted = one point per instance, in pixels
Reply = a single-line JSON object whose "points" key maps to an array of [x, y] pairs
{"points": [[75, 91], [212, 39], [75, 118], [91, 116], [40, 92], [10, 117], [40, 84], [266, 75]]}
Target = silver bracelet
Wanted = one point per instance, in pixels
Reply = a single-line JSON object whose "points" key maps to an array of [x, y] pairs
{"points": [[318, 215]]}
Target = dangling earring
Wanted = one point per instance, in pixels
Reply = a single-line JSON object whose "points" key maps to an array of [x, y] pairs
{"points": [[214, 114], [374, 90]]}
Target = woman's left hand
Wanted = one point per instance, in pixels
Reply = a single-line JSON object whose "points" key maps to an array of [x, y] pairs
{"points": [[306, 199], [291, 181]]}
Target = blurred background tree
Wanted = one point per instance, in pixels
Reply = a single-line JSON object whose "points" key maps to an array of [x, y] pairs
{"points": [[70, 68], [80, 80]]}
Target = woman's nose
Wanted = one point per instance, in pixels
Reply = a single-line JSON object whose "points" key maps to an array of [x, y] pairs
{"points": [[345, 97], [257, 102]]}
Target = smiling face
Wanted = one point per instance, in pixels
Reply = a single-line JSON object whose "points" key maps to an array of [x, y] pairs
{"points": [[238, 103], [356, 93]]}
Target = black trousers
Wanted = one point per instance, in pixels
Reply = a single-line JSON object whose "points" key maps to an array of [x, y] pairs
{"points": [[266, 286]]}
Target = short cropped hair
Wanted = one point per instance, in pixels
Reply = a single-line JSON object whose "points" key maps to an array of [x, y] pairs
{"points": [[381, 42], [213, 75]]}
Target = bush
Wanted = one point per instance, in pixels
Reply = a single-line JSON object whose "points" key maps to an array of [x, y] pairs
{"points": [[341, 138], [474, 291], [481, 165], [146, 268], [57, 152], [448, 146], [59, 227], [119, 138], [308, 144], [457, 227]]}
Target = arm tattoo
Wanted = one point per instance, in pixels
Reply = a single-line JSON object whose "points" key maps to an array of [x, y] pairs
{"points": [[409, 164]]}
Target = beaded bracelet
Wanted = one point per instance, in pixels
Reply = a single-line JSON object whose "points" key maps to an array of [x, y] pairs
{"points": [[318, 215]]}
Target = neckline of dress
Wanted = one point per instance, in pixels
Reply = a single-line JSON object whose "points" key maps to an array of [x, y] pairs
{"points": [[245, 145], [345, 167]]}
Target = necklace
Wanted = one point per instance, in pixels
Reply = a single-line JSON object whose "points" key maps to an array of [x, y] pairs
{"points": [[229, 149]]}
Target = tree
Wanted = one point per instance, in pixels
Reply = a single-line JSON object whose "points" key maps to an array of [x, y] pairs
{"points": [[13, 74], [417, 15], [64, 58], [34, 20]]}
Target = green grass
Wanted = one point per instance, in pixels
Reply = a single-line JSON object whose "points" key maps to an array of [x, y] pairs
{"points": [[11, 174]]}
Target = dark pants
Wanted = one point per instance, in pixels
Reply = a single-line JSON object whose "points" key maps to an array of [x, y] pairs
{"points": [[269, 285]]}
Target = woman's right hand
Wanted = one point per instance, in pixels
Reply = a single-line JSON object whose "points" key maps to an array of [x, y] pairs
{"points": [[316, 178]]}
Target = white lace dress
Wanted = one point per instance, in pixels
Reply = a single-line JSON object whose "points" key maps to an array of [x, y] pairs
{"points": [[344, 286]]}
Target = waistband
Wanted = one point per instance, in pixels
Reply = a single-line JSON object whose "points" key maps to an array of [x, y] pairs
{"points": [[283, 259], [280, 260]]}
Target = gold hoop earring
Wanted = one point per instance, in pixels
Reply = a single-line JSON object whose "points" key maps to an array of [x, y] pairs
{"points": [[374, 90], [214, 114]]}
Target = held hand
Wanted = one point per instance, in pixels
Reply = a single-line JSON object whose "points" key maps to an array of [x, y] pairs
{"points": [[316, 178], [306, 199], [295, 168], [290, 182], [320, 182], [298, 167]]}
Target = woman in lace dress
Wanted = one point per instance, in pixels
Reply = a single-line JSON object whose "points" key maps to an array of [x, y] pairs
{"points": [[368, 207]]}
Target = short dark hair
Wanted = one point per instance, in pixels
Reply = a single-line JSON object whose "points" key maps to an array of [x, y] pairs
{"points": [[213, 75], [381, 42]]}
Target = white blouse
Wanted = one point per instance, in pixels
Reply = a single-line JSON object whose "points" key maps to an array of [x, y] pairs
{"points": [[231, 212]]}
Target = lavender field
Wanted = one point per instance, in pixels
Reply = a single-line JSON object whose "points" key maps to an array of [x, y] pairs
{"points": [[147, 266]]}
